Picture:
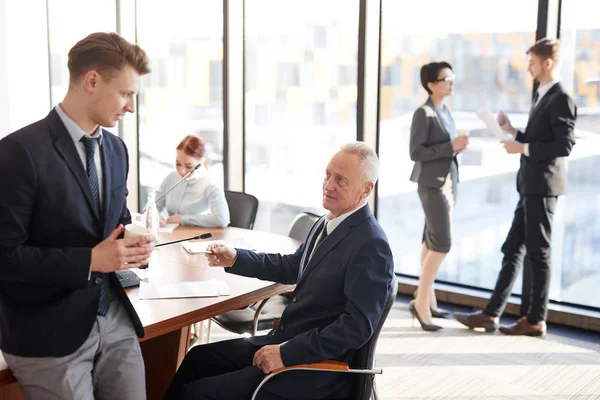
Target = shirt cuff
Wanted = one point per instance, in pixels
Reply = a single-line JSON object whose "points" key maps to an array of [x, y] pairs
{"points": [[526, 149]]}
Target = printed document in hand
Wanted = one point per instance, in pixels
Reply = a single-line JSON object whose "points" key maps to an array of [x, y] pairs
{"points": [[212, 288], [200, 247], [490, 122]]}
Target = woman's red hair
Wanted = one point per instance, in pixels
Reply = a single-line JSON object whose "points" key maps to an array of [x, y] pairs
{"points": [[193, 145]]}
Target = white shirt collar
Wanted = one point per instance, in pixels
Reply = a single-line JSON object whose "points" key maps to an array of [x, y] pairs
{"points": [[74, 130], [335, 222], [543, 89]]}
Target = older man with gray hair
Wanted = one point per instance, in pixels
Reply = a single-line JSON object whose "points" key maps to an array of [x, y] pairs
{"points": [[342, 272]]}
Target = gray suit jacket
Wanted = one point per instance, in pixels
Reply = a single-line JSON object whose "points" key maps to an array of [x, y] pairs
{"points": [[430, 147]]}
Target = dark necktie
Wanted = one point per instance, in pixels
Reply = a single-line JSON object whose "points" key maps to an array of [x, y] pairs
{"points": [[323, 235], [92, 175], [536, 96]]}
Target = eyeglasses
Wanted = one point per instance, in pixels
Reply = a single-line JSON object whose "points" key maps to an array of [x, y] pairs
{"points": [[449, 79]]}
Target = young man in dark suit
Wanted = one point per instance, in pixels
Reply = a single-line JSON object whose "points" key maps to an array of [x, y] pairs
{"points": [[542, 177], [67, 328], [343, 272]]}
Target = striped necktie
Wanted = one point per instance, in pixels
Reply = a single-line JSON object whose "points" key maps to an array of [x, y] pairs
{"points": [[92, 175]]}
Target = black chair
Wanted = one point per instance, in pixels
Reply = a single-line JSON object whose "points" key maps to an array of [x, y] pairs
{"points": [[242, 209], [365, 370], [261, 316]]}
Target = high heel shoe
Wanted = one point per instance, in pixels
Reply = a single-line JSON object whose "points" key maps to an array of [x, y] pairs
{"points": [[424, 326], [436, 312]]}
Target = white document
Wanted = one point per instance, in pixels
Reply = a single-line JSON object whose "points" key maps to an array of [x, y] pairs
{"points": [[490, 122], [200, 247], [168, 228], [179, 290]]}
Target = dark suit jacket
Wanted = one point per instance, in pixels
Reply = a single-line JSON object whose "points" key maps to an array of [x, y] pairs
{"points": [[550, 134], [339, 296], [430, 147], [48, 226]]}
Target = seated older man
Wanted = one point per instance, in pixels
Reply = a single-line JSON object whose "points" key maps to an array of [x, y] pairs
{"points": [[342, 274]]}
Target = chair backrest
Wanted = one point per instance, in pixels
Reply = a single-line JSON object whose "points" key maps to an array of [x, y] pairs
{"points": [[301, 225], [242, 209], [364, 385]]}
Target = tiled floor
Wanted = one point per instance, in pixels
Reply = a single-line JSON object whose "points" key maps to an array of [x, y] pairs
{"points": [[457, 363]]}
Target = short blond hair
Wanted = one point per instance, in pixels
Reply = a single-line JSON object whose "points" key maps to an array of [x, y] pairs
{"points": [[107, 53]]}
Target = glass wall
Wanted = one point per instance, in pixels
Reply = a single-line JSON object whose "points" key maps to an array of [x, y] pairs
{"points": [[24, 89], [300, 101], [68, 22], [184, 92], [487, 53], [576, 275]]}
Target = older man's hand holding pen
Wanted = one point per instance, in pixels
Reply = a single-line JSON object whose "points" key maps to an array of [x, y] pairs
{"points": [[219, 255]]}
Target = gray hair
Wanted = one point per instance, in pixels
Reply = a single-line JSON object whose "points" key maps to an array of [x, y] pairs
{"points": [[369, 161]]}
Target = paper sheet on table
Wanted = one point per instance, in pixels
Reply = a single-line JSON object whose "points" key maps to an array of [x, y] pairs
{"points": [[200, 247], [179, 290], [491, 123], [168, 228]]}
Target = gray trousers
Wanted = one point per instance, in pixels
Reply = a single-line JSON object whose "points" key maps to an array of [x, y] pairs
{"points": [[108, 365]]}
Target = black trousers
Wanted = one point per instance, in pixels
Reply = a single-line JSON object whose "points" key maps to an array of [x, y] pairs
{"points": [[529, 237], [224, 371]]}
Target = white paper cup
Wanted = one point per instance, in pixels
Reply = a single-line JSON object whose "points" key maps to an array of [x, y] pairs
{"points": [[132, 230], [463, 132], [136, 230]]}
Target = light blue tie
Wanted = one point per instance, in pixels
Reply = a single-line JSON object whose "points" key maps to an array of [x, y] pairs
{"points": [[92, 175]]}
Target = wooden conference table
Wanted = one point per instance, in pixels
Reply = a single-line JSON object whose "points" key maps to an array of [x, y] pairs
{"points": [[167, 321]]}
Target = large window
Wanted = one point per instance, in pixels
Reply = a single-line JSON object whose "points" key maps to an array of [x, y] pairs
{"points": [[68, 22], [24, 89], [300, 101], [184, 92], [576, 274], [488, 57]]}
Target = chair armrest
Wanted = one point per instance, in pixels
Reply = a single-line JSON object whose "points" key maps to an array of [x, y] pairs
{"points": [[327, 366]]}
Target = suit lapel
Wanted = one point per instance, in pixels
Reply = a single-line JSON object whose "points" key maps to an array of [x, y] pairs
{"points": [[544, 101], [66, 149], [438, 118], [105, 154]]}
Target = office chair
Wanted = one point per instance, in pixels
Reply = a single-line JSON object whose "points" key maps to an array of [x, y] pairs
{"points": [[242, 209], [365, 370], [261, 316]]}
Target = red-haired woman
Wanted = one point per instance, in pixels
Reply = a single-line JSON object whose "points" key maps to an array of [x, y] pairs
{"points": [[197, 201]]}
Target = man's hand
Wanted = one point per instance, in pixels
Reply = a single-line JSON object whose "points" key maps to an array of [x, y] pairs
{"points": [[113, 254], [513, 147], [219, 255], [174, 219], [268, 358], [505, 124]]}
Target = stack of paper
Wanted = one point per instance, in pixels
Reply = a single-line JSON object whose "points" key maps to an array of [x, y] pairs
{"points": [[211, 288], [168, 228], [200, 247]]}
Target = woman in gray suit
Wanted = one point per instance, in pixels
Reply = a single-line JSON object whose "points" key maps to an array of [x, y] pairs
{"points": [[434, 144]]}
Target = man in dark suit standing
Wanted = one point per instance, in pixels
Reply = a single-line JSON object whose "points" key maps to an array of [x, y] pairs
{"points": [[542, 177], [67, 329], [343, 272]]}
